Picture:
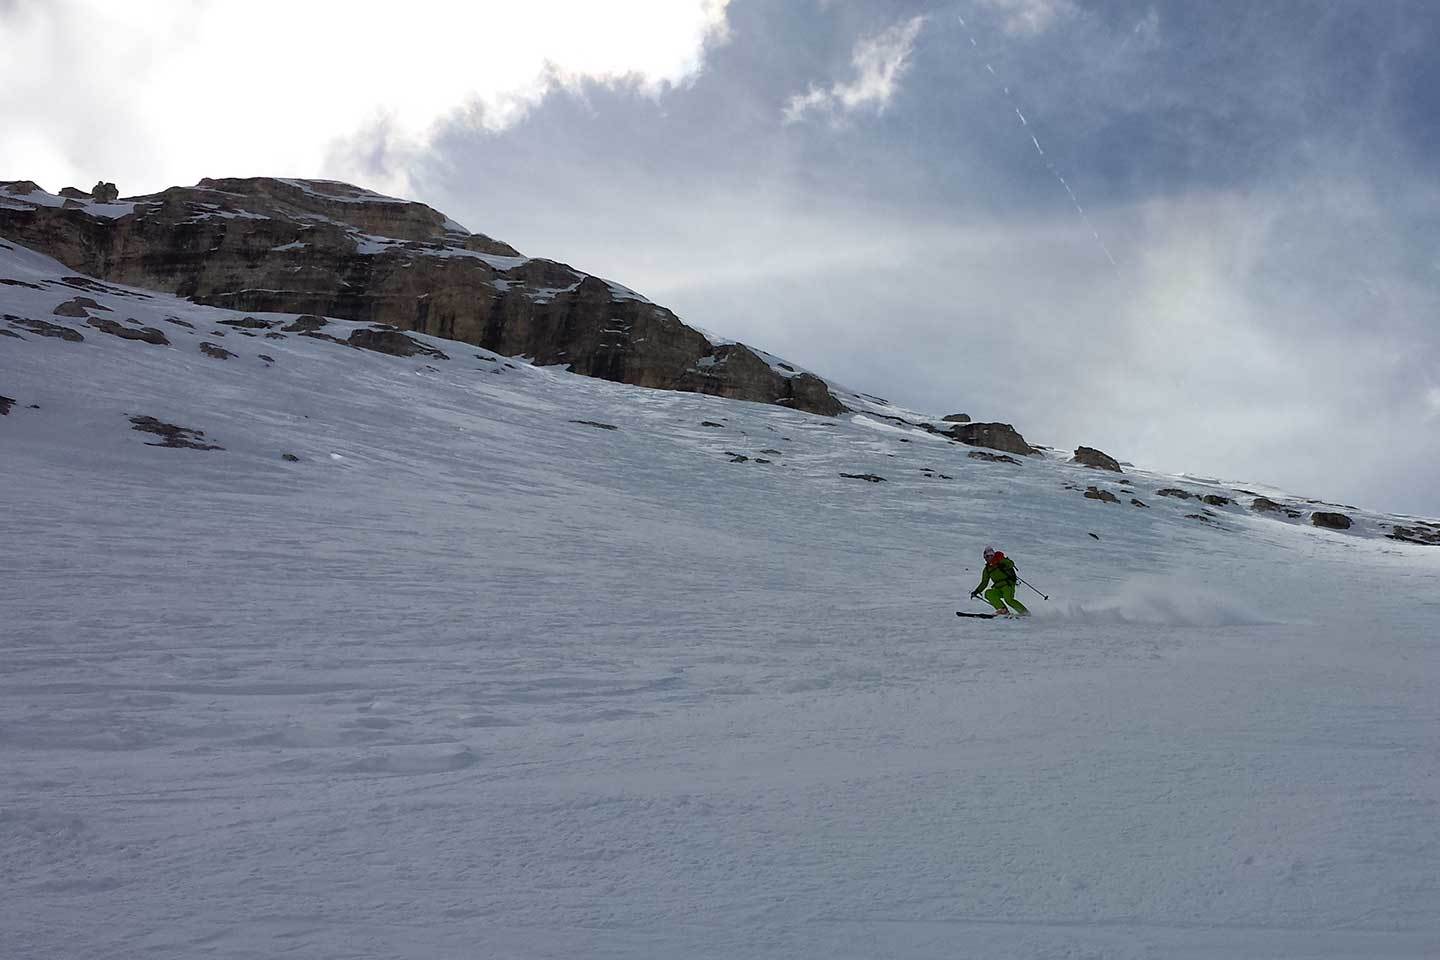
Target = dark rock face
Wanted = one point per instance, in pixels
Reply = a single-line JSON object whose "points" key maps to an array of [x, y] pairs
{"points": [[1174, 492], [992, 457], [996, 436], [1332, 521], [870, 477], [1265, 505], [329, 249], [1096, 459], [5, 404], [1095, 493], [105, 192], [216, 351], [392, 342], [1139, 503], [1426, 534], [307, 324], [248, 323], [1215, 500], [596, 424], [957, 418], [171, 435], [45, 329], [143, 334]]}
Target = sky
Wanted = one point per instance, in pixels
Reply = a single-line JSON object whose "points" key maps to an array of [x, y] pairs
{"points": [[1202, 237]]}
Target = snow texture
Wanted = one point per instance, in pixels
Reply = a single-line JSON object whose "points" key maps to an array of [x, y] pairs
{"points": [[474, 678]]}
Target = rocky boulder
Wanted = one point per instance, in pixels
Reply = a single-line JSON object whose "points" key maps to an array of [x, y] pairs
{"points": [[329, 249], [957, 418], [1096, 459], [995, 436], [1331, 521], [1095, 493]]}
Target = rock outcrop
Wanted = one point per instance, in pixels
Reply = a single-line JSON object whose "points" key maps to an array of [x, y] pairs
{"points": [[1096, 459], [996, 436], [330, 249], [1332, 521]]}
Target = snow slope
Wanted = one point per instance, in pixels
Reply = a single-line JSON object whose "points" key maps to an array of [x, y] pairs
{"points": [[473, 679]]}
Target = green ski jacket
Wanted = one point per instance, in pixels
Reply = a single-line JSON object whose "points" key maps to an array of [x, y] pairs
{"points": [[1000, 574]]}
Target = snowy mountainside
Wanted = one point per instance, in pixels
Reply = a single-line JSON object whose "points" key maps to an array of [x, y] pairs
{"points": [[513, 662]]}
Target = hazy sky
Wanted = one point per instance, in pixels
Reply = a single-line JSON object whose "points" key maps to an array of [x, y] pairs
{"points": [[1201, 236]]}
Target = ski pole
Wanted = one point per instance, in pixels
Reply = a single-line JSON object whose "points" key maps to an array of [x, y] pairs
{"points": [[1031, 586]]}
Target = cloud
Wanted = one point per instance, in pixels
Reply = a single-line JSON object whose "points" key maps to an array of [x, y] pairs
{"points": [[1030, 17], [879, 62], [154, 93]]}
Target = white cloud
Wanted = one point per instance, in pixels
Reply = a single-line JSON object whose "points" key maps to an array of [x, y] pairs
{"points": [[879, 61], [151, 93], [1030, 17]]}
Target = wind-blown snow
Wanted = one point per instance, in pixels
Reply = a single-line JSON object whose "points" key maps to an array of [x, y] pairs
{"points": [[472, 679]]}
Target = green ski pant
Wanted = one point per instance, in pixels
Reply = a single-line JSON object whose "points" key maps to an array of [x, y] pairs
{"points": [[1003, 593]]}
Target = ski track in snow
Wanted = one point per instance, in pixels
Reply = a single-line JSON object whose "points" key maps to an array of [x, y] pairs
{"points": [[473, 680]]}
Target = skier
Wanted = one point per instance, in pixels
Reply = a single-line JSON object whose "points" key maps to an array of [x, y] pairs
{"points": [[1000, 572]]}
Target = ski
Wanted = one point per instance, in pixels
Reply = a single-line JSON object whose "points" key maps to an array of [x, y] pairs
{"points": [[979, 616]]}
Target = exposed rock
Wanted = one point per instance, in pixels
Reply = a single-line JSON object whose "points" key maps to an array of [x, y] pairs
{"points": [[306, 324], [215, 350], [1426, 535], [172, 435], [736, 457], [79, 307], [5, 404], [392, 342], [323, 248], [735, 371], [7, 282], [1203, 518], [773, 453], [991, 457], [872, 478], [45, 329], [1095, 536], [266, 357], [144, 334], [957, 418], [1095, 493], [180, 323], [761, 460], [1332, 521], [996, 436], [1174, 492], [105, 192], [73, 193], [597, 424], [314, 335], [1215, 500], [249, 323], [290, 457], [710, 423], [1139, 503], [1096, 459], [11, 333]]}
